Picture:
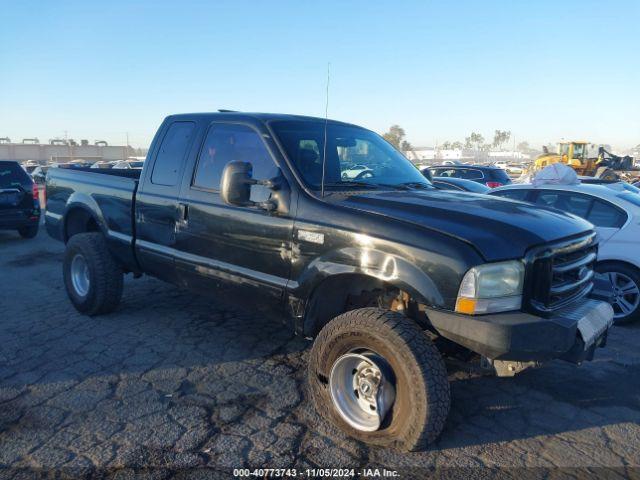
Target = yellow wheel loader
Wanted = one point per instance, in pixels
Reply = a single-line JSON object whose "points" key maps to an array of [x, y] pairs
{"points": [[586, 159]]}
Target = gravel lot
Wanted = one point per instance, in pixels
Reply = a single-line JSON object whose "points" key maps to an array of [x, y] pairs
{"points": [[172, 380]]}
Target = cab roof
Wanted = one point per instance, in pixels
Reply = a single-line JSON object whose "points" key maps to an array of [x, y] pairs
{"points": [[253, 116]]}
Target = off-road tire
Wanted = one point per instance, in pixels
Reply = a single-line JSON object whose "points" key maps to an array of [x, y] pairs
{"points": [[422, 388], [633, 274], [105, 275], [28, 232]]}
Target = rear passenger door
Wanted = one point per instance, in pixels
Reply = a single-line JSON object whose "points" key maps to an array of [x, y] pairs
{"points": [[157, 209]]}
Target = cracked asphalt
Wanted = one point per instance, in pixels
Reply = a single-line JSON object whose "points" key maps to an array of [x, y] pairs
{"points": [[173, 381]]}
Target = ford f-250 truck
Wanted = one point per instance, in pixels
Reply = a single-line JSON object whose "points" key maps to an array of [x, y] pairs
{"points": [[379, 268]]}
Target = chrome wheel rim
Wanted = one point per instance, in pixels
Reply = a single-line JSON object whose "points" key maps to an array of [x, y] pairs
{"points": [[80, 275], [625, 295], [362, 389]]}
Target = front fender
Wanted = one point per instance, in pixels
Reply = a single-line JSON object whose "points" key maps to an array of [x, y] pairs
{"points": [[389, 268]]}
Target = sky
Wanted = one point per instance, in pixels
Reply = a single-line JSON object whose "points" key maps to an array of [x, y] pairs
{"points": [[544, 70]]}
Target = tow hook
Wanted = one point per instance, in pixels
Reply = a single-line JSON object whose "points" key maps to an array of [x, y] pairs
{"points": [[505, 368]]}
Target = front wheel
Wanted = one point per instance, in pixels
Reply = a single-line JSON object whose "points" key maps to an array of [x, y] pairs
{"points": [[92, 277], [377, 376], [625, 290]]}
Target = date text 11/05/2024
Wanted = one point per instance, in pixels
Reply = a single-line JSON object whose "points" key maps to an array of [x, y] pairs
{"points": [[316, 473]]}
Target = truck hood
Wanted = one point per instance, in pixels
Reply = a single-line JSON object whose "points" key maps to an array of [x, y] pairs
{"points": [[498, 228]]}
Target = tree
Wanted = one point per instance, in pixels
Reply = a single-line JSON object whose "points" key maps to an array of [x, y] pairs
{"points": [[405, 146], [457, 145], [524, 146], [395, 136], [446, 145], [500, 137], [475, 141]]}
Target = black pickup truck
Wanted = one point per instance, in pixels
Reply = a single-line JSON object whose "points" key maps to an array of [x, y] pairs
{"points": [[381, 268]]}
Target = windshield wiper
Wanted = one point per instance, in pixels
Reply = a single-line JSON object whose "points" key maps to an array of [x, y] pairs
{"points": [[351, 183], [406, 186], [393, 186], [420, 185]]}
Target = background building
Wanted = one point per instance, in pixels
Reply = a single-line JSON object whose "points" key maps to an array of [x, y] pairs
{"points": [[61, 151]]}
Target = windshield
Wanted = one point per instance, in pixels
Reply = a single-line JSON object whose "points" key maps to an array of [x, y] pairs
{"points": [[355, 157]]}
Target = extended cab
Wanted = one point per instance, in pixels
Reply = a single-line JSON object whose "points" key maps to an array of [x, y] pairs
{"points": [[379, 268]]}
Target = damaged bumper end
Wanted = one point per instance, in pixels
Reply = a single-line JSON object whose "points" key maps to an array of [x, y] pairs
{"points": [[511, 340]]}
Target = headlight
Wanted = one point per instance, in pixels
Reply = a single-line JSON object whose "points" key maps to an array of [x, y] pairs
{"points": [[490, 288]]}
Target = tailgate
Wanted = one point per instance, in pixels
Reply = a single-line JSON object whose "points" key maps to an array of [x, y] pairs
{"points": [[11, 198]]}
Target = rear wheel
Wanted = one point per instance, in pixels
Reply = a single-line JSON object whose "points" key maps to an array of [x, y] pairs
{"points": [[375, 375], [625, 290], [28, 232], [92, 277]]}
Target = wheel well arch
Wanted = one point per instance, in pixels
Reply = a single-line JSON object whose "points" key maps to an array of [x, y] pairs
{"points": [[79, 220], [342, 292], [329, 298], [627, 264]]}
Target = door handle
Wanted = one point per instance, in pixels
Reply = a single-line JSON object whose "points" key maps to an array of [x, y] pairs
{"points": [[183, 213]]}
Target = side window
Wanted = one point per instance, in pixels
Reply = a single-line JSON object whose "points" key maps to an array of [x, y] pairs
{"points": [[309, 160], [547, 199], [441, 172], [572, 203], [604, 215], [578, 205], [171, 154], [233, 142], [513, 194], [470, 174]]}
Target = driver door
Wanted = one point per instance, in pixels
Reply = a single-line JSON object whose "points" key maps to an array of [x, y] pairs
{"points": [[246, 247]]}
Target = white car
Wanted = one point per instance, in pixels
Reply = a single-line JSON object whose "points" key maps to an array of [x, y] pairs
{"points": [[514, 169], [501, 164], [614, 210], [357, 172], [128, 165]]}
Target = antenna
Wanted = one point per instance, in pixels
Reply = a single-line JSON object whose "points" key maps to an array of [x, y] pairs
{"points": [[326, 120]]}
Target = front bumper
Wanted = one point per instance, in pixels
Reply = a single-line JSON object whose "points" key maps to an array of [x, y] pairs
{"points": [[573, 333]]}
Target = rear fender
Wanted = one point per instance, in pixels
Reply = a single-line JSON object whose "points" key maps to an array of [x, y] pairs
{"points": [[82, 201]]}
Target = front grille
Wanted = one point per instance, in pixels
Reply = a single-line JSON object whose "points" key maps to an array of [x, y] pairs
{"points": [[562, 273]]}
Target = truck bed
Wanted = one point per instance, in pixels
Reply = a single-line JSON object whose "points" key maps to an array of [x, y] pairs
{"points": [[76, 195]]}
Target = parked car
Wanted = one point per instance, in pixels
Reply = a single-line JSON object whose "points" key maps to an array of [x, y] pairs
{"points": [[39, 174], [500, 164], [128, 165], [366, 267], [513, 169], [357, 172], [614, 210], [459, 184], [30, 166], [102, 164], [490, 176], [19, 201]]}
